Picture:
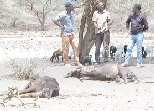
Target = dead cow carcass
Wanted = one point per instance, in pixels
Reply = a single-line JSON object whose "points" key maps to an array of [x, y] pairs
{"points": [[108, 71], [42, 87]]}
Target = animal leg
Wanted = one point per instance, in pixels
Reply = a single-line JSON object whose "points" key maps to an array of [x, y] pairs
{"points": [[120, 58], [85, 78], [115, 58], [62, 58], [31, 95], [58, 58], [29, 84], [111, 55], [51, 59], [55, 93], [124, 77], [119, 80], [32, 88], [50, 92]]}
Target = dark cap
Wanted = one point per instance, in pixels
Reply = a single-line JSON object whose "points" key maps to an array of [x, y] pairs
{"points": [[68, 4], [138, 6]]}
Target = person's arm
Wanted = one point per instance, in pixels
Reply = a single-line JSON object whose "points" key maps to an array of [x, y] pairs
{"points": [[94, 19], [58, 24], [95, 23], [58, 19], [109, 21], [128, 23], [145, 23]]}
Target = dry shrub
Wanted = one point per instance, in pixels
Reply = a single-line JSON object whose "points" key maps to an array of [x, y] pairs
{"points": [[24, 69]]}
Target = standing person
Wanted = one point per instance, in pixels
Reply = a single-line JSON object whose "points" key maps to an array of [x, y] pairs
{"points": [[65, 21], [138, 25], [101, 19]]}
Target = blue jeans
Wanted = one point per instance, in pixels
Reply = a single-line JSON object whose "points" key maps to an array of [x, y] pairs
{"points": [[138, 38]]}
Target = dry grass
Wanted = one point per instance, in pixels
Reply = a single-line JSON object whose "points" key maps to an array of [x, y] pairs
{"points": [[24, 70]]}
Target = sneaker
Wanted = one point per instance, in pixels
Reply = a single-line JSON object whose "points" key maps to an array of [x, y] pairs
{"points": [[124, 65], [138, 66], [67, 64], [78, 64]]}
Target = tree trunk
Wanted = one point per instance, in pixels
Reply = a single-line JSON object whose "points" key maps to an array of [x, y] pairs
{"points": [[42, 26], [31, 7], [86, 41], [14, 23], [43, 19]]}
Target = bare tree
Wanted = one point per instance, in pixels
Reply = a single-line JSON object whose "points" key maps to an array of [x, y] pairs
{"points": [[40, 9], [10, 12]]}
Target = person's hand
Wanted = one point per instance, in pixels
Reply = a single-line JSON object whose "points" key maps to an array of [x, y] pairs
{"points": [[99, 28], [129, 32], [62, 27]]}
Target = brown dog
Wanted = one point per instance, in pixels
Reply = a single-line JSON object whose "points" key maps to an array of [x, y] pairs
{"points": [[56, 54], [44, 87], [108, 71]]}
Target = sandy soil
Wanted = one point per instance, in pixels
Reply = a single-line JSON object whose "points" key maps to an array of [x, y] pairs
{"points": [[88, 95]]}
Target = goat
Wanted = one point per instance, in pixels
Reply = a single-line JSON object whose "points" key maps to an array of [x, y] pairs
{"points": [[149, 50]]}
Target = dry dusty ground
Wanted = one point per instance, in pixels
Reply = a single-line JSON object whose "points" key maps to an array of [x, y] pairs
{"points": [[88, 95]]}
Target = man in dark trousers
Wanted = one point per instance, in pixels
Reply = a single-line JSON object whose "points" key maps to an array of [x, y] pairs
{"points": [[101, 19], [138, 25]]}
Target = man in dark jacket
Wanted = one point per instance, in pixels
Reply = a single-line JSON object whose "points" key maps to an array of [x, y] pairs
{"points": [[138, 26]]}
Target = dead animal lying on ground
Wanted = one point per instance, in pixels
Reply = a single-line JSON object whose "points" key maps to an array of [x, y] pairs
{"points": [[56, 54], [42, 87], [108, 71]]}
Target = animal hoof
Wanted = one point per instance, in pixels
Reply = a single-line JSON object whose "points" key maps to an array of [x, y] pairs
{"points": [[81, 80]]}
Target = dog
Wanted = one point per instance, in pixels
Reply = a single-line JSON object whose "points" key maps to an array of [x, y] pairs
{"points": [[42, 87], [56, 54], [85, 59], [113, 49], [118, 55], [119, 52]]}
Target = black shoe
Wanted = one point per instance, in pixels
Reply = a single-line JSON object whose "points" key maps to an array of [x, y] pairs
{"points": [[98, 63]]}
